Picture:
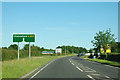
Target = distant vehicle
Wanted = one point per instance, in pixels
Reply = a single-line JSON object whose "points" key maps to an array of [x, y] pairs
{"points": [[47, 52], [78, 54], [82, 54]]}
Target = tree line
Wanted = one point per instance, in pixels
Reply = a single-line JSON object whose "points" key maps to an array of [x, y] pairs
{"points": [[67, 49]]}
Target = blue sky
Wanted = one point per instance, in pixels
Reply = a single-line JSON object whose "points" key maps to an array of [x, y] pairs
{"points": [[58, 23]]}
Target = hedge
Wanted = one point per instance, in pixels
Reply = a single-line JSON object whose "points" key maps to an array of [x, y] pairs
{"points": [[9, 54], [110, 57]]}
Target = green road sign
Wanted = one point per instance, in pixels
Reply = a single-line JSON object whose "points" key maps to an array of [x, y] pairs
{"points": [[20, 37]]}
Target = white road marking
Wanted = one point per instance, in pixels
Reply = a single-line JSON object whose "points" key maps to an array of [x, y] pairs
{"points": [[111, 66], [107, 77], [91, 69], [79, 69], [95, 62], [72, 63], [41, 69], [90, 77], [95, 74]]}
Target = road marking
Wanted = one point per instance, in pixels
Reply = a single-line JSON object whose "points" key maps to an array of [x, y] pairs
{"points": [[111, 66], [79, 69], [107, 77], [95, 62], [95, 74], [90, 77], [91, 69], [41, 69], [72, 63]]}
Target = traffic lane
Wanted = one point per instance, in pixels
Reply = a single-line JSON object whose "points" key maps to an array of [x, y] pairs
{"points": [[98, 67], [61, 68]]}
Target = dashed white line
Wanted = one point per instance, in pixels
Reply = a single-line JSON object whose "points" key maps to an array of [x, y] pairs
{"points": [[107, 77], [90, 77], [72, 63], [79, 69]]}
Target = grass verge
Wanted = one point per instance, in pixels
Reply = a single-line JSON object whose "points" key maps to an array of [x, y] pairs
{"points": [[16, 69], [106, 62]]}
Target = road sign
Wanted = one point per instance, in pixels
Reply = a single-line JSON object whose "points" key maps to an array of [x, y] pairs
{"points": [[21, 37], [24, 37], [101, 50], [108, 50], [58, 50]]}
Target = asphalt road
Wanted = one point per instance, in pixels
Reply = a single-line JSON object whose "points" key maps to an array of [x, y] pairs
{"points": [[76, 68]]}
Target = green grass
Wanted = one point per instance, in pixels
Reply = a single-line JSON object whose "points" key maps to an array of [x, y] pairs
{"points": [[84, 56], [106, 62], [16, 69]]}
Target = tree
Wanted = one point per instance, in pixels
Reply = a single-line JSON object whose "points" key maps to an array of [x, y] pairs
{"points": [[13, 46], [91, 50], [4, 47], [26, 47], [103, 38]]}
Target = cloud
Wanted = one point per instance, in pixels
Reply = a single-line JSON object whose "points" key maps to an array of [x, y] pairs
{"points": [[56, 28]]}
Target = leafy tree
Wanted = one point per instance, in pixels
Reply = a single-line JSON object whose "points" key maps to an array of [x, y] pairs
{"points": [[91, 50], [103, 38], [4, 47], [26, 47], [13, 46]]}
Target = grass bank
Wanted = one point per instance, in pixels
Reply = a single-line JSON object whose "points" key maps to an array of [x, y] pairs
{"points": [[113, 63], [16, 69], [106, 62]]}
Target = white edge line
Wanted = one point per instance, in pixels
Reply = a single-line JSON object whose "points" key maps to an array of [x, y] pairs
{"points": [[111, 66], [90, 77], [72, 63], [79, 69], [41, 69]]}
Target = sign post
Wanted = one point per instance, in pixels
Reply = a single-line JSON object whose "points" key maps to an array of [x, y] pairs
{"points": [[24, 37], [29, 51], [18, 51]]}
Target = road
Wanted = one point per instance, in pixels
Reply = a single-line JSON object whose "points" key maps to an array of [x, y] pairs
{"points": [[76, 68]]}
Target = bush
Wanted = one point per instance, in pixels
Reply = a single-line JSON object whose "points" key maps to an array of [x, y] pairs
{"points": [[91, 56], [9, 54], [113, 57]]}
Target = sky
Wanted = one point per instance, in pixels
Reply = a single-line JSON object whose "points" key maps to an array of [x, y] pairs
{"points": [[58, 23]]}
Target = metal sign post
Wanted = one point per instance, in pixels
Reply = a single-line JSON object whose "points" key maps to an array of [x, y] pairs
{"points": [[56, 54], [65, 50], [18, 51], [29, 51]]}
